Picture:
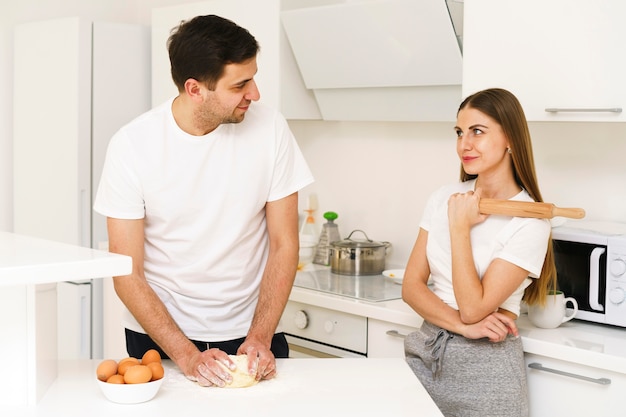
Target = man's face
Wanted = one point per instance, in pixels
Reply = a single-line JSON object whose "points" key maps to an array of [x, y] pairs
{"points": [[232, 95]]}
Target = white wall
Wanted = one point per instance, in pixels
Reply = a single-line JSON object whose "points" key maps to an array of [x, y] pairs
{"points": [[376, 176]]}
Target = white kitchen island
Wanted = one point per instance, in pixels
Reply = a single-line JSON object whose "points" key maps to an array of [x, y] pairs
{"points": [[304, 387], [29, 270]]}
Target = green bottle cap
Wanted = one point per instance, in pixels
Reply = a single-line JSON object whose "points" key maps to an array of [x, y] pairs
{"points": [[330, 215]]}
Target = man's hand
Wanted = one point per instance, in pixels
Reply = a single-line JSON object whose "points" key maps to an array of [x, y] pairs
{"points": [[265, 367], [203, 368]]}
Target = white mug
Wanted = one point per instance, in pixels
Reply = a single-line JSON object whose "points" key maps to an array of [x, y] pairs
{"points": [[553, 313]]}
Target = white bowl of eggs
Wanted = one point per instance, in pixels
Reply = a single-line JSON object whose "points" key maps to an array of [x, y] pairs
{"points": [[131, 380], [130, 393]]}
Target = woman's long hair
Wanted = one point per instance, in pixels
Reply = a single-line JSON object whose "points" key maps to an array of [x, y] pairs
{"points": [[503, 107]]}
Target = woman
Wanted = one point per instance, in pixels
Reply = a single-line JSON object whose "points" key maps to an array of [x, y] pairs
{"points": [[467, 353]]}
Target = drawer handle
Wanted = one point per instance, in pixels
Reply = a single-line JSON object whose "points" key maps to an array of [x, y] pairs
{"points": [[395, 333], [540, 367], [583, 110]]}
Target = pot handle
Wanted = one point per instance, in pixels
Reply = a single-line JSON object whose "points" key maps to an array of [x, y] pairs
{"points": [[359, 230], [387, 244]]}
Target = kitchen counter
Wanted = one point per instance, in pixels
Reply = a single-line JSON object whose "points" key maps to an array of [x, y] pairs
{"points": [[374, 288], [577, 341], [332, 387], [591, 344], [29, 260], [29, 270], [394, 310]]}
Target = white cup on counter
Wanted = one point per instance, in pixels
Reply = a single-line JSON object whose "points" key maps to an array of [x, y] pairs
{"points": [[554, 312]]}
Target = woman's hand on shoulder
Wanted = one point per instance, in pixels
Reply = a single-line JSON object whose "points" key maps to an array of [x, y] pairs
{"points": [[463, 209], [496, 327]]}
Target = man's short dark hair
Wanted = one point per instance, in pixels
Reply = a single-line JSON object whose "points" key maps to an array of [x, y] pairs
{"points": [[200, 48]]}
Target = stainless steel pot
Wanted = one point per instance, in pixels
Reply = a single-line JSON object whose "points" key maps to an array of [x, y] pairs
{"points": [[358, 257]]}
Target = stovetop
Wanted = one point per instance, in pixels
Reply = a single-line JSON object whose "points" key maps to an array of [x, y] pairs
{"points": [[362, 287]]}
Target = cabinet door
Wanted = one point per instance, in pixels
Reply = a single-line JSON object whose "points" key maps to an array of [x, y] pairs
{"points": [[74, 320], [557, 54], [560, 388], [52, 130], [386, 340]]}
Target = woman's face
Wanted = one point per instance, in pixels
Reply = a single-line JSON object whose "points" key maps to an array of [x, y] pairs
{"points": [[481, 144]]}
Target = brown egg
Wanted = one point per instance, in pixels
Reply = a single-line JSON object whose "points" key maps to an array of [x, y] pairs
{"points": [[150, 356], [130, 358], [138, 374], [124, 364], [157, 370], [116, 379], [106, 369]]}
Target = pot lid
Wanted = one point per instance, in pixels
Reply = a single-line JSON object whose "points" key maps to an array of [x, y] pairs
{"points": [[358, 243]]}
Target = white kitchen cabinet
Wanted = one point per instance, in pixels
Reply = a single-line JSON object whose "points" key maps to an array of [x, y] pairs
{"points": [[76, 82], [278, 77], [563, 388], [563, 55], [385, 339], [385, 60]]}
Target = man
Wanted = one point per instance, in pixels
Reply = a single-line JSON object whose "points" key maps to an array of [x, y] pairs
{"points": [[202, 193]]}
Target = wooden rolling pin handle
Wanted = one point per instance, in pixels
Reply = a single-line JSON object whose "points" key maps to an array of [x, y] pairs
{"points": [[572, 213], [527, 209]]}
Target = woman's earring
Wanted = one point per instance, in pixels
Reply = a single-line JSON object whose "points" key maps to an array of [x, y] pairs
{"points": [[508, 150]]}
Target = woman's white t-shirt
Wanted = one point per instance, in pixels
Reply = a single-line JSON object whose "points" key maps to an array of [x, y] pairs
{"points": [[203, 200], [520, 241]]}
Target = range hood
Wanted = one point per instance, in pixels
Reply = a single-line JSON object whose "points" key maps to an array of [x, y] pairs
{"points": [[391, 60]]}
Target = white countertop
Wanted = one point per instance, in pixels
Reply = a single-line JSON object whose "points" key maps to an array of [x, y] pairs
{"points": [[394, 311], [373, 288], [581, 342], [324, 387], [591, 344], [29, 260], [29, 270]]}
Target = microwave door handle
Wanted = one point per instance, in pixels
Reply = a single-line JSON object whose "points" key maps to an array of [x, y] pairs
{"points": [[594, 279]]}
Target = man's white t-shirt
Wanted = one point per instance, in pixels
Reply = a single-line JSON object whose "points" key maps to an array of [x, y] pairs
{"points": [[520, 241], [203, 200]]}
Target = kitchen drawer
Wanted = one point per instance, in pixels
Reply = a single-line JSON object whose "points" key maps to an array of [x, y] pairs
{"points": [[562, 388], [385, 339]]}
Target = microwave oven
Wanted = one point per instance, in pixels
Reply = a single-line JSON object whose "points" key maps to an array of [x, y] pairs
{"points": [[591, 267]]}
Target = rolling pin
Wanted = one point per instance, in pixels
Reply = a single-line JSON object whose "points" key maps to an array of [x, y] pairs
{"points": [[527, 209]]}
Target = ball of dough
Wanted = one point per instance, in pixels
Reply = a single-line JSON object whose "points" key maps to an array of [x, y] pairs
{"points": [[241, 377]]}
